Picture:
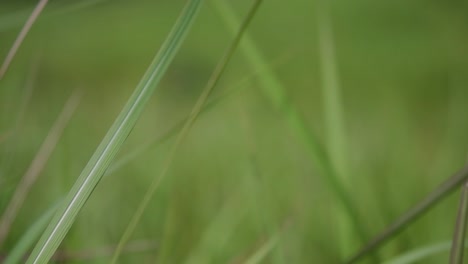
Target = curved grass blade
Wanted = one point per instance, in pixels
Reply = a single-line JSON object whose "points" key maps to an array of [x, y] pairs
{"points": [[456, 254], [414, 213], [187, 125], [115, 137], [276, 93]]}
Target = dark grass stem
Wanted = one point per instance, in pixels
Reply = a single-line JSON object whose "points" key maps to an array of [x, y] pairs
{"points": [[188, 124], [458, 242], [414, 213], [114, 139]]}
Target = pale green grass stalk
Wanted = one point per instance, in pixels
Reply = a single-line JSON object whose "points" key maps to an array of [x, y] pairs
{"points": [[21, 36], [188, 124], [115, 137], [334, 120], [27, 240], [276, 93], [31, 236], [411, 215], [36, 166], [333, 106], [456, 253]]}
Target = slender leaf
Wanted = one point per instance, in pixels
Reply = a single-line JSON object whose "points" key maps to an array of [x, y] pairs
{"points": [[275, 91], [30, 237], [36, 166], [411, 215], [115, 137], [215, 77]]}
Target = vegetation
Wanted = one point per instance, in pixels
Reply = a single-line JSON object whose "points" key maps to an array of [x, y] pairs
{"points": [[261, 132]]}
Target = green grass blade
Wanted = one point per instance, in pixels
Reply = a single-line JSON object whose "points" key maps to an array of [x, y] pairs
{"points": [[414, 213], [419, 254], [187, 125], [36, 167], [334, 120], [276, 93], [113, 140], [456, 254], [31, 236], [210, 104]]}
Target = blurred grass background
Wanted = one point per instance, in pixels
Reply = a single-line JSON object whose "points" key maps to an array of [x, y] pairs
{"points": [[241, 173]]}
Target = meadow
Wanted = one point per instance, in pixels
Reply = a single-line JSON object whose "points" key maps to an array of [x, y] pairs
{"points": [[241, 131]]}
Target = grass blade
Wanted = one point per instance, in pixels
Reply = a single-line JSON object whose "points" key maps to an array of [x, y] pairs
{"points": [[414, 213], [276, 93], [36, 167], [334, 120], [33, 233], [30, 236], [210, 104], [456, 254], [24, 31], [187, 125], [106, 151], [417, 255]]}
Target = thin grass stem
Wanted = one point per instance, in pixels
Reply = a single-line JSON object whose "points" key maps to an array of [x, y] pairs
{"points": [[187, 125], [411, 215], [114, 139], [275, 91], [36, 166], [21, 36], [458, 242]]}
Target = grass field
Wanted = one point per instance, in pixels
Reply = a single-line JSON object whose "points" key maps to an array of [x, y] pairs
{"points": [[331, 119]]}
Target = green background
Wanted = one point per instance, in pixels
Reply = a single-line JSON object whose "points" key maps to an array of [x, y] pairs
{"points": [[242, 174]]}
